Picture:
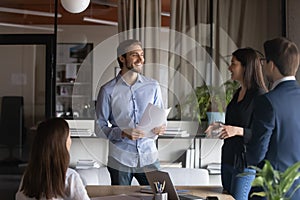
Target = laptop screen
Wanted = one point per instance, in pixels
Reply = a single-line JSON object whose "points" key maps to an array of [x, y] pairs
{"points": [[161, 177]]}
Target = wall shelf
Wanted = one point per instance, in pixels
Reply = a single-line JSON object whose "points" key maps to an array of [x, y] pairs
{"points": [[74, 80]]}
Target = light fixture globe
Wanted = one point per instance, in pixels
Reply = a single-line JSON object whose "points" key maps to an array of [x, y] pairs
{"points": [[75, 6]]}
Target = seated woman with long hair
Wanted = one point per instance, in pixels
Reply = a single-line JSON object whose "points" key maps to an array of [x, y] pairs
{"points": [[47, 175]]}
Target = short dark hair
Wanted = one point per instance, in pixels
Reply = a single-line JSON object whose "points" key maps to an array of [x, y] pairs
{"points": [[123, 48], [284, 53]]}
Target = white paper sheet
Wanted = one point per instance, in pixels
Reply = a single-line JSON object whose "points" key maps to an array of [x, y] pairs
{"points": [[153, 117]]}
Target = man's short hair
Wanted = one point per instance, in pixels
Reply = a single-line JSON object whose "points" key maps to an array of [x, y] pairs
{"points": [[284, 53], [124, 47]]}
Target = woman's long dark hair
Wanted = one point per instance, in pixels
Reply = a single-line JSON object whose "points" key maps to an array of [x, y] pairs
{"points": [[250, 60], [46, 171]]}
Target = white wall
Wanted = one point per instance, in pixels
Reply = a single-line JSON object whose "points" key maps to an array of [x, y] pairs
{"points": [[169, 149]]}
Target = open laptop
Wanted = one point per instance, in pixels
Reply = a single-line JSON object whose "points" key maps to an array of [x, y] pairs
{"points": [[160, 176]]}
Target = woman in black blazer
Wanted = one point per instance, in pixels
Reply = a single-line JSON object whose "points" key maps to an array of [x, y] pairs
{"points": [[246, 69]]}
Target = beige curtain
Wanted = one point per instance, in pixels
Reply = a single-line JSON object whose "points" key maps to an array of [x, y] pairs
{"points": [[246, 23], [141, 20], [235, 24], [189, 61]]}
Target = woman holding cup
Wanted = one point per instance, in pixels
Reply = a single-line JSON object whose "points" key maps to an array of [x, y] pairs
{"points": [[246, 69]]}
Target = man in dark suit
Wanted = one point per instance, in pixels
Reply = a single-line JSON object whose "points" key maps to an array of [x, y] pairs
{"points": [[276, 123]]}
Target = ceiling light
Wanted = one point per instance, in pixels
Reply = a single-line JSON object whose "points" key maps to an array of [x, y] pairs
{"points": [[100, 21], [166, 14], [28, 26], [28, 12], [75, 6]]}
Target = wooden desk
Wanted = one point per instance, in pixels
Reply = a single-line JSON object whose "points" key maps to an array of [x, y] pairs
{"points": [[203, 191]]}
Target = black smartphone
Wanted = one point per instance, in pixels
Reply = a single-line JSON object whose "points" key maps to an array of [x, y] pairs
{"points": [[211, 198]]}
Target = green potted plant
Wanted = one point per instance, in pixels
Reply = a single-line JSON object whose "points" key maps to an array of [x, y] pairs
{"points": [[206, 99], [276, 184]]}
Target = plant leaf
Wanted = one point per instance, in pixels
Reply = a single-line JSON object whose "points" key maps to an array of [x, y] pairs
{"points": [[258, 182], [289, 176], [261, 194], [276, 184]]}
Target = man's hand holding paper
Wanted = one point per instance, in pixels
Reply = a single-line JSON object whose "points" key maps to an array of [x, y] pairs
{"points": [[153, 121], [159, 130], [133, 133]]}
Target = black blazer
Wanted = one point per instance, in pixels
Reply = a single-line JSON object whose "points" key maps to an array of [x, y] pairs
{"points": [[239, 114]]}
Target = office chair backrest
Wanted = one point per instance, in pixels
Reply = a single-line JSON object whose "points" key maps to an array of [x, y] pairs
{"points": [[12, 120]]}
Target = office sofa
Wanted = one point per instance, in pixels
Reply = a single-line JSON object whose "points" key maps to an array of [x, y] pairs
{"points": [[179, 176]]}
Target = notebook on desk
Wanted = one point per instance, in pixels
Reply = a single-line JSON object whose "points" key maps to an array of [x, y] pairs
{"points": [[160, 176]]}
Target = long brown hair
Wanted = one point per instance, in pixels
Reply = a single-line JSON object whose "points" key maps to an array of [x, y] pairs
{"points": [[46, 172], [250, 60]]}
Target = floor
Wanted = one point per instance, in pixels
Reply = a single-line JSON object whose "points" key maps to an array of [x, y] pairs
{"points": [[10, 176], [11, 170]]}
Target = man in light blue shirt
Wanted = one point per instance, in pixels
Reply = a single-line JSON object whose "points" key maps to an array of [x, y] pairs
{"points": [[121, 102]]}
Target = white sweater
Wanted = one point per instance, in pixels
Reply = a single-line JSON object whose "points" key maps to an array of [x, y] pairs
{"points": [[75, 189]]}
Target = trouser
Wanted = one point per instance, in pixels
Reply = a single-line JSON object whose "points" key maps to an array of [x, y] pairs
{"points": [[237, 186], [122, 175]]}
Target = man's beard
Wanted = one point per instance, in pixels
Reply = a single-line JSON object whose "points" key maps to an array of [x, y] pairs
{"points": [[131, 68]]}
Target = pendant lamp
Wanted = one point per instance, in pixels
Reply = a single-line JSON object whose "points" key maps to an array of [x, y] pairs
{"points": [[75, 6]]}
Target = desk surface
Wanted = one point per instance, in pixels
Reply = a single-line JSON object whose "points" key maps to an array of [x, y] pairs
{"points": [[203, 191]]}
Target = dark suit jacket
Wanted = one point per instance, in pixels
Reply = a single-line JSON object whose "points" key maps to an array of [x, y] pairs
{"points": [[276, 128]]}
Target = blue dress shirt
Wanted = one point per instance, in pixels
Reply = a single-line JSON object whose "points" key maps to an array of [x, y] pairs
{"points": [[123, 105]]}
